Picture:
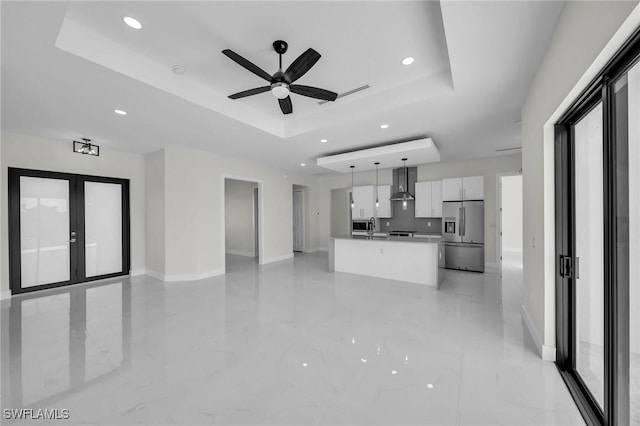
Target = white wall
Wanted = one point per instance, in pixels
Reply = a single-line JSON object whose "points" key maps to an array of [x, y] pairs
{"points": [[487, 167], [586, 36], [155, 218], [339, 216], [39, 154], [239, 232], [512, 213], [194, 204]]}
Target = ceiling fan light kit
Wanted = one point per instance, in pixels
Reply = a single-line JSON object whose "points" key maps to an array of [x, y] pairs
{"points": [[281, 82]]}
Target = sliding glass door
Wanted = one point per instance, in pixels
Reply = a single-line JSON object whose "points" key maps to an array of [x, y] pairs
{"points": [[597, 174], [589, 255], [66, 228], [626, 100]]}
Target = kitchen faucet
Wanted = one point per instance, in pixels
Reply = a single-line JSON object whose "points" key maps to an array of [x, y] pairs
{"points": [[371, 226]]}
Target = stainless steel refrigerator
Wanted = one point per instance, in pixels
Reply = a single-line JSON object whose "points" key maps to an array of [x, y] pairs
{"points": [[463, 233]]}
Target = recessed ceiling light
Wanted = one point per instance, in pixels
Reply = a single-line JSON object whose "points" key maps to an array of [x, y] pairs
{"points": [[132, 22], [323, 140], [178, 69], [302, 164], [384, 126], [119, 111], [408, 60]]}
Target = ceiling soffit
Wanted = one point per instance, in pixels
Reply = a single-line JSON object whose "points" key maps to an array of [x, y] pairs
{"points": [[96, 33]]}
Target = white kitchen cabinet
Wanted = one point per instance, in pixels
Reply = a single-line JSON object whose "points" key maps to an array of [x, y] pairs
{"points": [[466, 188], [428, 199], [384, 204], [363, 202], [452, 189], [473, 188], [436, 198]]}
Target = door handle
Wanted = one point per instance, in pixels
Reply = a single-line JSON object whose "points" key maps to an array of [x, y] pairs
{"points": [[73, 240], [464, 221], [460, 221]]}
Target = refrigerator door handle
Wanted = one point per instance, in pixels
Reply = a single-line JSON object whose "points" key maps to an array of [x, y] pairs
{"points": [[463, 223], [460, 221]]}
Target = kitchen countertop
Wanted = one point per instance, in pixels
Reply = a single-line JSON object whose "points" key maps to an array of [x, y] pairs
{"points": [[421, 239]]}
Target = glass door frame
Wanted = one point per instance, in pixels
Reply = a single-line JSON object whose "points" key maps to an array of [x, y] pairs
{"points": [[77, 273], [616, 320]]}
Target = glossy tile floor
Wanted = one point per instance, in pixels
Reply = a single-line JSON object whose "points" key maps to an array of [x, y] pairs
{"points": [[286, 343]]}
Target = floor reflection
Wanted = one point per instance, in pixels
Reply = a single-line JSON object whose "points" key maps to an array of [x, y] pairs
{"points": [[61, 341]]}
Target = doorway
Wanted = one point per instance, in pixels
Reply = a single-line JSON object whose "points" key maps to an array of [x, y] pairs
{"points": [[241, 222], [66, 229], [298, 218], [509, 250]]}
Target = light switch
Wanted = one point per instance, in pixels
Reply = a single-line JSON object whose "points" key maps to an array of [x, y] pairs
{"points": [[387, 223], [428, 224]]}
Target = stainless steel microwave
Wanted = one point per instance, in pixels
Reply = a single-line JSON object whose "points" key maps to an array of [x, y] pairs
{"points": [[360, 225]]}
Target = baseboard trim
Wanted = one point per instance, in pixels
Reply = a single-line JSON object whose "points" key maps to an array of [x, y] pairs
{"points": [[512, 250], [490, 265], [310, 250], [193, 277], [5, 295], [241, 253], [276, 259], [184, 277], [154, 274], [547, 353], [137, 272]]}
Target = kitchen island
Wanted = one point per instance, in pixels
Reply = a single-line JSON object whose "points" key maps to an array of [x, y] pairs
{"points": [[417, 260]]}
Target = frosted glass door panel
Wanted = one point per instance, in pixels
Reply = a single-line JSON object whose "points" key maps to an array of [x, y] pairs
{"points": [[44, 231], [103, 228], [633, 116], [589, 237]]}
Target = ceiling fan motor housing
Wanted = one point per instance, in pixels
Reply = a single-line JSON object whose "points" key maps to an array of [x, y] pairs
{"points": [[280, 47]]}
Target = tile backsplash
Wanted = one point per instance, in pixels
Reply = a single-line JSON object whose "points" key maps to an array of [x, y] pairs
{"points": [[405, 220]]}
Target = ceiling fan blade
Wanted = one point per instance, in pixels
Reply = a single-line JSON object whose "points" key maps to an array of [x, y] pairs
{"points": [[250, 92], [246, 64], [285, 105], [313, 92], [301, 65]]}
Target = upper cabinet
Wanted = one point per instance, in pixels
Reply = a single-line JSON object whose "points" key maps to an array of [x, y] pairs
{"points": [[473, 188], [452, 189], [466, 188], [428, 199], [384, 204], [363, 202]]}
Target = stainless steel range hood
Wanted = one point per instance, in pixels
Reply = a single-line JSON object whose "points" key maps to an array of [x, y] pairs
{"points": [[404, 183]]}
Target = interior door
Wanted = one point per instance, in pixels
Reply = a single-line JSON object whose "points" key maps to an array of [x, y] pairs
{"points": [[298, 221], [66, 228]]}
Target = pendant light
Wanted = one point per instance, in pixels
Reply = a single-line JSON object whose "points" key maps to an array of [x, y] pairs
{"points": [[406, 177], [351, 195], [377, 202]]}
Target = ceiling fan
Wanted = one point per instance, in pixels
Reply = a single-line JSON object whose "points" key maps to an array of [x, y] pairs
{"points": [[281, 82]]}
